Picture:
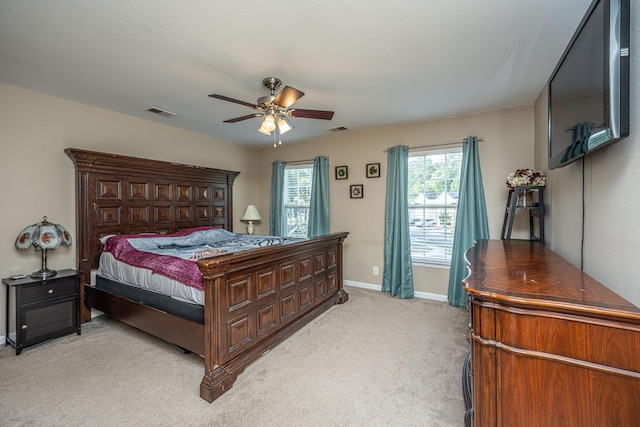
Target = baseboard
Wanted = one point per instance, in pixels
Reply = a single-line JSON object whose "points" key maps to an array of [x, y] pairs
{"points": [[417, 294], [3, 340]]}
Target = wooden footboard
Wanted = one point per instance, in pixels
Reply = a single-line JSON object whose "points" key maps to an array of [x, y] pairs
{"points": [[254, 300]]}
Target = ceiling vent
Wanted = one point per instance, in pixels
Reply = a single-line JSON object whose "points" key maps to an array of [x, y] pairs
{"points": [[338, 129], [163, 113]]}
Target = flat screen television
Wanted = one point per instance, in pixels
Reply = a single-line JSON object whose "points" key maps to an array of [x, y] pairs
{"points": [[589, 88]]}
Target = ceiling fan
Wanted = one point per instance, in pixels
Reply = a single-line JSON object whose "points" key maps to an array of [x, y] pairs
{"points": [[276, 109]]}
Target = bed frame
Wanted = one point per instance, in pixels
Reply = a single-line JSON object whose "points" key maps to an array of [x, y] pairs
{"points": [[253, 299]]}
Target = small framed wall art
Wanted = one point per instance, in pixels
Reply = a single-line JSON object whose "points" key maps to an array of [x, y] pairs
{"points": [[357, 191], [373, 170], [342, 172]]}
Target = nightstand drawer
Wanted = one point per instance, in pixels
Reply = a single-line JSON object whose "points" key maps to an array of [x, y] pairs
{"points": [[45, 291]]}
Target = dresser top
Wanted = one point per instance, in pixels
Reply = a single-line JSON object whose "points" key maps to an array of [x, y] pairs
{"points": [[529, 274]]}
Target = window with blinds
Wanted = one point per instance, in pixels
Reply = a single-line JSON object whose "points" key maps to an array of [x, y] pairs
{"points": [[434, 177], [297, 198]]}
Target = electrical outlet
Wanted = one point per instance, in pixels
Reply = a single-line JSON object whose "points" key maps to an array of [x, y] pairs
{"points": [[375, 271]]}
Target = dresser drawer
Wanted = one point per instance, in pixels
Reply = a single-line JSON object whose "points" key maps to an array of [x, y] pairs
{"points": [[45, 291]]}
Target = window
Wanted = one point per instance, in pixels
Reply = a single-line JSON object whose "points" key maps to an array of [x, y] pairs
{"points": [[297, 198], [434, 177]]}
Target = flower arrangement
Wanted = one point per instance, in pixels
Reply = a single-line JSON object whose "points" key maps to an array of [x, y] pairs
{"points": [[526, 177]]}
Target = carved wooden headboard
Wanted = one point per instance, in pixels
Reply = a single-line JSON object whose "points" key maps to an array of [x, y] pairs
{"points": [[123, 195]]}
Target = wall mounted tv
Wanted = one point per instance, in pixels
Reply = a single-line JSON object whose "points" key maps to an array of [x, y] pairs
{"points": [[589, 88]]}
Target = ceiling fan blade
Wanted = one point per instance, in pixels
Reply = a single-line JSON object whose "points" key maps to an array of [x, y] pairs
{"points": [[287, 96], [239, 119], [226, 98], [311, 114]]}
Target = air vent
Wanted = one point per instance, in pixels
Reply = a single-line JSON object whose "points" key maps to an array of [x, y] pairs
{"points": [[338, 129], [163, 113]]}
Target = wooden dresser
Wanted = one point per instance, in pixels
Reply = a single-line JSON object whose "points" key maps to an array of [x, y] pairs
{"points": [[550, 346]]}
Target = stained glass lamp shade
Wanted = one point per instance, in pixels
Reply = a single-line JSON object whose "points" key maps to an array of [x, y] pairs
{"points": [[43, 236]]}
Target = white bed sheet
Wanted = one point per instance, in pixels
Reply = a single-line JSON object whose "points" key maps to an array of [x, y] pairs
{"points": [[144, 278]]}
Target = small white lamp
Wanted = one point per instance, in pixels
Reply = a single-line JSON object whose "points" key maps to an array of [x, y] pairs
{"points": [[250, 215]]}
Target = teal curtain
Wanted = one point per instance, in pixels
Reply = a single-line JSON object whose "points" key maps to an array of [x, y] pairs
{"points": [[471, 219], [276, 210], [319, 204], [398, 275]]}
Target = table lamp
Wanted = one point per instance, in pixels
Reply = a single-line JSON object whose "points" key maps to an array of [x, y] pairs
{"points": [[43, 236], [250, 215]]}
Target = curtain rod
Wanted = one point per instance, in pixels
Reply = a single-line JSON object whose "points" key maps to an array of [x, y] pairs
{"points": [[448, 144], [298, 162]]}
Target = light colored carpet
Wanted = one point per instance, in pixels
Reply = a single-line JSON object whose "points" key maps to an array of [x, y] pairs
{"points": [[374, 361]]}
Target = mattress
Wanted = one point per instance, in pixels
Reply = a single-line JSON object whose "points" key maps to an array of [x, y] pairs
{"points": [[144, 278]]}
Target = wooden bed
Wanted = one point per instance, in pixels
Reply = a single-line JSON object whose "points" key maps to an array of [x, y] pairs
{"points": [[253, 299]]}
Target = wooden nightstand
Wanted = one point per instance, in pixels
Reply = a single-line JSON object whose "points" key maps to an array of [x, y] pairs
{"points": [[43, 309]]}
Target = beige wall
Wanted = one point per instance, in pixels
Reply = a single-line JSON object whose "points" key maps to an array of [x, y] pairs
{"points": [[507, 145], [37, 177], [612, 178]]}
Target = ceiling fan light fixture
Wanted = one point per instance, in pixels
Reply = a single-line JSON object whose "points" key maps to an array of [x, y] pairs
{"points": [[284, 125], [269, 123], [263, 130]]}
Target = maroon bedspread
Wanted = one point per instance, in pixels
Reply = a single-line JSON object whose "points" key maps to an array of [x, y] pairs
{"points": [[182, 270]]}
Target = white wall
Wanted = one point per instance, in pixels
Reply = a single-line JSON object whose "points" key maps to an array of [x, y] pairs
{"points": [[612, 180]]}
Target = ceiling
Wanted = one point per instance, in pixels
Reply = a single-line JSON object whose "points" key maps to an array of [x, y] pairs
{"points": [[376, 63]]}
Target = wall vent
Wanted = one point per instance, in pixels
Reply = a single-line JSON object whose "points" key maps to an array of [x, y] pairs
{"points": [[338, 129], [163, 113]]}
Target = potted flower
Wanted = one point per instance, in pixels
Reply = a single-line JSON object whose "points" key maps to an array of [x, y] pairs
{"points": [[525, 177]]}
